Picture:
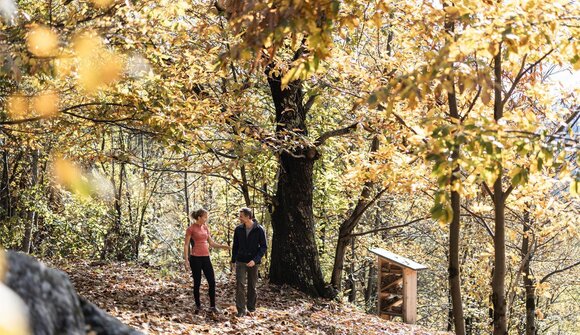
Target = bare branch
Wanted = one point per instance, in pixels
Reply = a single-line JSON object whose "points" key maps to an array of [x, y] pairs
{"points": [[546, 277], [516, 80], [570, 121], [472, 104], [67, 112], [480, 219], [489, 192], [310, 102], [389, 228], [333, 133], [218, 153], [21, 121], [508, 191]]}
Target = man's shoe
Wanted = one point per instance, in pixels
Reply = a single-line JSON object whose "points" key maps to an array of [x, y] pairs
{"points": [[241, 314], [215, 310], [197, 310]]}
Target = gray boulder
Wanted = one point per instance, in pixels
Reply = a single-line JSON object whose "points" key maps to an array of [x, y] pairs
{"points": [[54, 306]]}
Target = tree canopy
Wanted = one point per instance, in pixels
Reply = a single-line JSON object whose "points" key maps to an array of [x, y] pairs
{"points": [[444, 131]]}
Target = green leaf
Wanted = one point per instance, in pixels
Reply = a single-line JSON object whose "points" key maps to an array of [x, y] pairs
{"points": [[519, 176], [575, 187], [372, 100]]}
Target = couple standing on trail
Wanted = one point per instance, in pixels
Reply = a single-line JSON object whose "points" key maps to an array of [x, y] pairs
{"points": [[248, 249]]}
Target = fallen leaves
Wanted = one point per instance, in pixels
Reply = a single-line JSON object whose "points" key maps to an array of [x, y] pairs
{"points": [[163, 304]]}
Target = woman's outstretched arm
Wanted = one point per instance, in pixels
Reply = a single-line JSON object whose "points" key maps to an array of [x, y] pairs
{"points": [[213, 244]]}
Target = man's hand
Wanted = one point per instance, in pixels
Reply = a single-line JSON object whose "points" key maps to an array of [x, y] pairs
{"points": [[251, 264]]}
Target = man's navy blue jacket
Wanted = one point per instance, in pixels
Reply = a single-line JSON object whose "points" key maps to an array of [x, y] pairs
{"points": [[250, 248]]}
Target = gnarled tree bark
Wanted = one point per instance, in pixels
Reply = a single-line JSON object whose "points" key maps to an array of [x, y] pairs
{"points": [[294, 257]]}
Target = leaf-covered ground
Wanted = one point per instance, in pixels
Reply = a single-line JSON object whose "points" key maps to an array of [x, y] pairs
{"points": [[160, 303]]}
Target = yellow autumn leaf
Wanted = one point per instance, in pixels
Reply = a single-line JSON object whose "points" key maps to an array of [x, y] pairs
{"points": [[66, 172], [17, 106], [96, 74], [69, 175], [46, 104], [451, 10], [293, 74], [42, 41], [102, 3], [64, 66], [87, 43], [575, 187]]}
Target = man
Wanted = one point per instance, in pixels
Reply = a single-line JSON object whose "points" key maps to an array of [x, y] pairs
{"points": [[247, 252]]}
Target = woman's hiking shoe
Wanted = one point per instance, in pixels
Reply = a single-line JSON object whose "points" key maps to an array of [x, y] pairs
{"points": [[197, 310], [241, 314], [215, 310]]}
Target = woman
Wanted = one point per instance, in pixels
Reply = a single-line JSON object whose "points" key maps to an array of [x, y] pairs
{"points": [[197, 258]]}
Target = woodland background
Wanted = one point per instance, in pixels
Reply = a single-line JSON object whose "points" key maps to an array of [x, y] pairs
{"points": [[443, 131]]}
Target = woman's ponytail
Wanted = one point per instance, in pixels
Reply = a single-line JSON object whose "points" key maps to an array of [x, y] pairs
{"points": [[196, 214]]}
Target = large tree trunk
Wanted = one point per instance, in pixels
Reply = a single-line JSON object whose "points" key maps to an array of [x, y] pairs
{"points": [[294, 259], [348, 226]]}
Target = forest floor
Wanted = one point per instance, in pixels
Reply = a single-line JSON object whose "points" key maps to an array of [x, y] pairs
{"points": [[161, 302]]}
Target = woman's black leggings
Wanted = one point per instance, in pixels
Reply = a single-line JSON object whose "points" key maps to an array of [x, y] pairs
{"points": [[197, 264]]}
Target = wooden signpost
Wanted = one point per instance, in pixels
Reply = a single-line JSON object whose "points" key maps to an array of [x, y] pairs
{"points": [[396, 286]]}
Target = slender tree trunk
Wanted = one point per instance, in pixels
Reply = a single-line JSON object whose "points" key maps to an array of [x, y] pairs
{"points": [[454, 266], [529, 283], [143, 196], [351, 275], [498, 281], [455, 233], [323, 240], [449, 313], [118, 199], [336, 279], [371, 288], [186, 196], [31, 216], [245, 188], [294, 257], [113, 234], [347, 226], [5, 187], [454, 271], [468, 325]]}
